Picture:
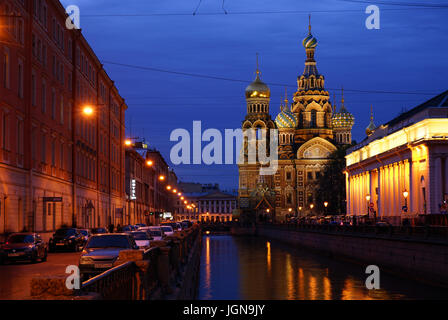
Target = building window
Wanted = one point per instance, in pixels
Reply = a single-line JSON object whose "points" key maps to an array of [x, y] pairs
{"points": [[310, 175], [288, 175], [20, 80], [53, 104], [44, 97], [313, 123], [53, 153], [33, 89], [44, 148], [19, 136], [5, 133], [6, 71], [62, 110], [33, 143]]}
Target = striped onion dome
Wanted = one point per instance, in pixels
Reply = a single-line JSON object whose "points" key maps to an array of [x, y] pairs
{"points": [[342, 119], [310, 41], [286, 119]]}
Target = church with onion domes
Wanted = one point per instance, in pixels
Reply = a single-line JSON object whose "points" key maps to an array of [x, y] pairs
{"points": [[309, 130]]}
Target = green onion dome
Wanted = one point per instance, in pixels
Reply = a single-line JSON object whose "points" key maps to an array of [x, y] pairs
{"points": [[286, 119], [309, 42], [342, 119]]}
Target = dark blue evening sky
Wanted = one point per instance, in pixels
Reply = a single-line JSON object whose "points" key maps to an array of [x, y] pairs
{"points": [[408, 54]]}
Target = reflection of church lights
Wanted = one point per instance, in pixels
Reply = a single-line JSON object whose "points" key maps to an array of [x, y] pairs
{"points": [[207, 264], [289, 278], [313, 288], [268, 256], [301, 282], [327, 288]]}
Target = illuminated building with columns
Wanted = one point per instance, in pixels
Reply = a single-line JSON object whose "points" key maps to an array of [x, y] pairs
{"points": [[401, 169]]}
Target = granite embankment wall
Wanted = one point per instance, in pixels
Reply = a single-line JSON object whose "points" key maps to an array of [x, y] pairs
{"points": [[422, 256]]}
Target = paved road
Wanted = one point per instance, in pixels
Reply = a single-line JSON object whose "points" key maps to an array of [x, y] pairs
{"points": [[15, 278]]}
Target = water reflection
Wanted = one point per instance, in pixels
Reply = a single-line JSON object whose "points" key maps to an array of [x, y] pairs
{"points": [[248, 268]]}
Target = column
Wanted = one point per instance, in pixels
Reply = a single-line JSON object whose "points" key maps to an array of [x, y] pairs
{"points": [[437, 185], [347, 193]]}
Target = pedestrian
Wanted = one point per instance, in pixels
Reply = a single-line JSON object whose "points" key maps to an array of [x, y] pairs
{"points": [[111, 228], [119, 229]]}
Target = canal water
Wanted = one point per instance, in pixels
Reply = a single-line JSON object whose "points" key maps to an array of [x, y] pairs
{"points": [[254, 268]]}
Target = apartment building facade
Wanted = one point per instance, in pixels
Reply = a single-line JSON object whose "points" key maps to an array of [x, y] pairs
{"points": [[58, 165]]}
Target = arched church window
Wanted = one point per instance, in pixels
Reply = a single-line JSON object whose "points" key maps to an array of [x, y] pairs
{"points": [[313, 122]]}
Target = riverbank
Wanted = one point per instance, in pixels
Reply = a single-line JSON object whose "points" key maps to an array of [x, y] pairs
{"points": [[424, 260]]}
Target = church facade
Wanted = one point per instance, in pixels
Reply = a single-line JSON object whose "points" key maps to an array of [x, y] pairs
{"points": [[309, 131]]}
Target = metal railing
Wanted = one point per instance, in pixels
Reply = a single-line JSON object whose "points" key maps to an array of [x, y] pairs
{"points": [[117, 283], [127, 281]]}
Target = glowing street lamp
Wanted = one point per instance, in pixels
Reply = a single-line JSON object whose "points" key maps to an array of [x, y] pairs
{"points": [[368, 202], [168, 187], [185, 202], [161, 177], [87, 110], [174, 190], [325, 204], [267, 210], [179, 194], [182, 198], [149, 163], [405, 195]]}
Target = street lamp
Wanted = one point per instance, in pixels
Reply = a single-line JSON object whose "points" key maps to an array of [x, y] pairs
{"points": [[149, 163], [405, 195], [368, 202], [168, 187], [161, 177], [87, 110], [300, 211], [326, 205]]}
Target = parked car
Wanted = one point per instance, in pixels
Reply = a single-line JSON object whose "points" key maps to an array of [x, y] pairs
{"points": [[139, 225], [174, 225], [167, 230], [86, 233], [101, 251], [156, 232], [98, 230], [142, 238], [186, 224], [129, 228], [67, 238], [23, 246]]}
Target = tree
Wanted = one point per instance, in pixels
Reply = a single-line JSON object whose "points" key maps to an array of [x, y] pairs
{"points": [[331, 184]]}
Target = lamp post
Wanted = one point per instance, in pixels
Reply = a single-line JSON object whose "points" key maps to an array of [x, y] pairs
{"points": [[300, 211], [311, 207], [326, 205], [405, 195], [368, 202]]}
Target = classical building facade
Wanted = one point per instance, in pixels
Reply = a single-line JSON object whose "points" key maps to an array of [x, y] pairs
{"points": [[309, 130], [58, 166], [400, 171], [205, 203]]}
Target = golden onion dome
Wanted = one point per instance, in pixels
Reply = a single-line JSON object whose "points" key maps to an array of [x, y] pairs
{"points": [[371, 127], [258, 89]]}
